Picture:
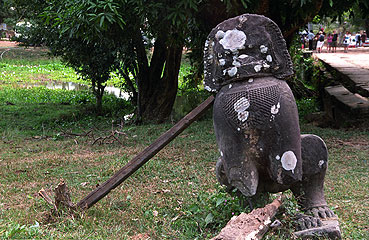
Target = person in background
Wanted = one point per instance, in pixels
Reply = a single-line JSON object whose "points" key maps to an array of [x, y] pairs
{"points": [[329, 41], [346, 41], [334, 41], [320, 43], [363, 37], [358, 39], [310, 37]]}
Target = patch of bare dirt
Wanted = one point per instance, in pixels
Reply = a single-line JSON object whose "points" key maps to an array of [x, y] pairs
{"points": [[140, 236], [8, 44]]}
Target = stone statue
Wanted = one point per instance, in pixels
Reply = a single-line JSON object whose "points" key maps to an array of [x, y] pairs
{"points": [[256, 123]]}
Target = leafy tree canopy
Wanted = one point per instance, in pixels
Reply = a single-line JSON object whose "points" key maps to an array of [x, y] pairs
{"points": [[143, 39]]}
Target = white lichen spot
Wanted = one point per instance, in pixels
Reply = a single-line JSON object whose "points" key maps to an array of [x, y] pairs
{"points": [[243, 116], [242, 19], [252, 173], [206, 43], [236, 64], [207, 88], [250, 46], [219, 34], [269, 58], [210, 57], [230, 86], [219, 55], [321, 162], [241, 105], [233, 40], [221, 153], [289, 161], [257, 68], [213, 80], [265, 65], [278, 157], [238, 129], [263, 48], [232, 71], [275, 108], [250, 80], [243, 56], [222, 62], [224, 71], [212, 44]]}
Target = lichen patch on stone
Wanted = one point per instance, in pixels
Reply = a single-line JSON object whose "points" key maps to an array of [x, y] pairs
{"points": [[236, 64], [243, 116], [233, 40], [263, 49], [275, 108], [269, 58], [289, 161], [222, 62], [219, 34], [257, 68], [241, 105], [232, 71], [321, 162]]}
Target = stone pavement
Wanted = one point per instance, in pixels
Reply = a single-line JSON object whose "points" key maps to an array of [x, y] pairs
{"points": [[349, 99]]}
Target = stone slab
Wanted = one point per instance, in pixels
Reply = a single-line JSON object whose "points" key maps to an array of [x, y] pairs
{"points": [[348, 99], [330, 230]]}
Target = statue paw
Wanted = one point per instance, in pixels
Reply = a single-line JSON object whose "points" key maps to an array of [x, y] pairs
{"points": [[321, 212], [305, 222]]}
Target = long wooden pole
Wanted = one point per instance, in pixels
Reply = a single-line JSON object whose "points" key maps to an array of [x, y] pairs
{"points": [[144, 156]]}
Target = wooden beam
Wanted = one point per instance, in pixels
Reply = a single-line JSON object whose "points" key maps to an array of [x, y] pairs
{"points": [[250, 226], [144, 156]]}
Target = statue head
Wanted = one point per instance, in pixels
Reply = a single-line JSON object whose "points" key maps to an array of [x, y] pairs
{"points": [[243, 47]]}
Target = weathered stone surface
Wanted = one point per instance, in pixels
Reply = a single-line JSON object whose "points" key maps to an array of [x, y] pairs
{"points": [[255, 116], [242, 47], [330, 229], [353, 77]]}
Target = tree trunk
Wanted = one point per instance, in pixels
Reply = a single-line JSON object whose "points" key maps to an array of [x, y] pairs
{"points": [[157, 83], [156, 101], [98, 91]]}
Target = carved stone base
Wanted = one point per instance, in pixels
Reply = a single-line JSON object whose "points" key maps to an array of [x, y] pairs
{"points": [[330, 230]]}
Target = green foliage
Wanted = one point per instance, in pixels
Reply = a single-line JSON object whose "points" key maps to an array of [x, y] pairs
{"points": [[307, 106], [17, 231], [211, 212]]}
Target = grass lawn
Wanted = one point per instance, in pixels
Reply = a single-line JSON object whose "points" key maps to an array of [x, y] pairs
{"points": [[173, 196]]}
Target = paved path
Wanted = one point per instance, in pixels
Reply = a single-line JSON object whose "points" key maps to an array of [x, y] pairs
{"points": [[351, 96]]}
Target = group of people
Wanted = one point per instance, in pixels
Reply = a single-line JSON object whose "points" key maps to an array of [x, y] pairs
{"points": [[332, 40], [358, 40]]}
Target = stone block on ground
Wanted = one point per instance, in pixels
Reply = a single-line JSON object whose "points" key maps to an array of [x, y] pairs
{"points": [[330, 230]]}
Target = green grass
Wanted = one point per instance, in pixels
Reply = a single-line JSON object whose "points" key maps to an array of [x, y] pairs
{"points": [[174, 196], [33, 66]]}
